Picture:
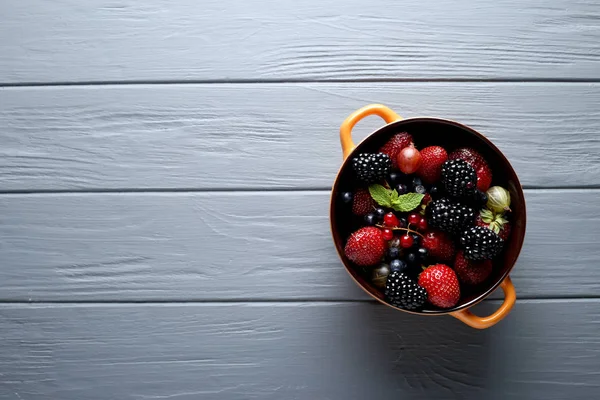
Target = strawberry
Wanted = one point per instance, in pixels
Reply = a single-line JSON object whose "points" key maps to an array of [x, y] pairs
{"points": [[365, 247], [441, 284], [471, 272], [476, 160], [439, 245], [432, 158], [362, 204], [494, 222], [395, 144]]}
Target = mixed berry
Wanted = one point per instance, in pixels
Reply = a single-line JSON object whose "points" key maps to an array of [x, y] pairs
{"points": [[430, 222]]}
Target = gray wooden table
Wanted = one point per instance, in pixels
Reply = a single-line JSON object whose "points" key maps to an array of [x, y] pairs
{"points": [[164, 185]]}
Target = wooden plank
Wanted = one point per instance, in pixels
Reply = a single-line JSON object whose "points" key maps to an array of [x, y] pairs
{"points": [[543, 349], [282, 136], [99, 40], [242, 245]]}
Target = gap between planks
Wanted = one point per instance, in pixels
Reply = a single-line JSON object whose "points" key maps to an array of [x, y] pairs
{"points": [[233, 191], [8, 85], [260, 303]]}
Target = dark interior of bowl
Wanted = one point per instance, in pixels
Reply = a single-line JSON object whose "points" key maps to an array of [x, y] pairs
{"points": [[450, 135]]}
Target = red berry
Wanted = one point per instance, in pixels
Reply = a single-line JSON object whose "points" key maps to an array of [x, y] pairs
{"points": [[441, 284], [414, 218], [422, 224], [365, 247], [476, 160], [426, 199], [409, 160], [439, 246], [387, 234], [394, 145], [406, 241], [390, 220], [432, 158], [362, 204], [471, 272]]}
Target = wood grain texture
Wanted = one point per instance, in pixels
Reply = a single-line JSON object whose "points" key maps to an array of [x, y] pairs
{"points": [[105, 40], [543, 349], [273, 136], [243, 245]]}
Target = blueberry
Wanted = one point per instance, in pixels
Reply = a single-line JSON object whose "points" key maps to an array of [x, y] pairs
{"points": [[403, 222], [380, 213], [397, 266], [422, 253], [347, 197], [395, 178], [416, 240], [417, 181], [401, 189], [483, 197], [370, 219], [420, 189], [393, 252], [412, 258]]}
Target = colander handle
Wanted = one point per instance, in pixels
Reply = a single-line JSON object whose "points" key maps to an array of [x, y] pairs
{"points": [[474, 321], [372, 109]]}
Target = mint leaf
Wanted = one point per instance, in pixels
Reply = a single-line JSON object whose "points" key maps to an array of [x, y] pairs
{"points": [[381, 195], [394, 196], [407, 202]]}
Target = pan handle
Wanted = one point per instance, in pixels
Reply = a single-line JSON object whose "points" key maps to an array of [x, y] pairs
{"points": [[474, 321], [346, 129]]}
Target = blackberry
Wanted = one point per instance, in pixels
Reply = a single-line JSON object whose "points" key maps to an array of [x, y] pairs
{"points": [[481, 243], [449, 216], [459, 178], [371, 167], [403, 292]]}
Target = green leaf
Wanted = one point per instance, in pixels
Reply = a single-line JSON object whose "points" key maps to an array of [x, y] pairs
{"points": [[486, 215], [407, 202], [394, 196], [381, 195]]}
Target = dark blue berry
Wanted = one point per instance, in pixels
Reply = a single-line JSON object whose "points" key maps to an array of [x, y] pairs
{"points": [[483, 197], [420, 189], [393, 252], [395, 177], [347, 197], [422, 253], [370, 219], [397, 266], [403, 222], [412, 258], [434, 190], [417, 181], [416, 240], [380, 213], [401, 189]]}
